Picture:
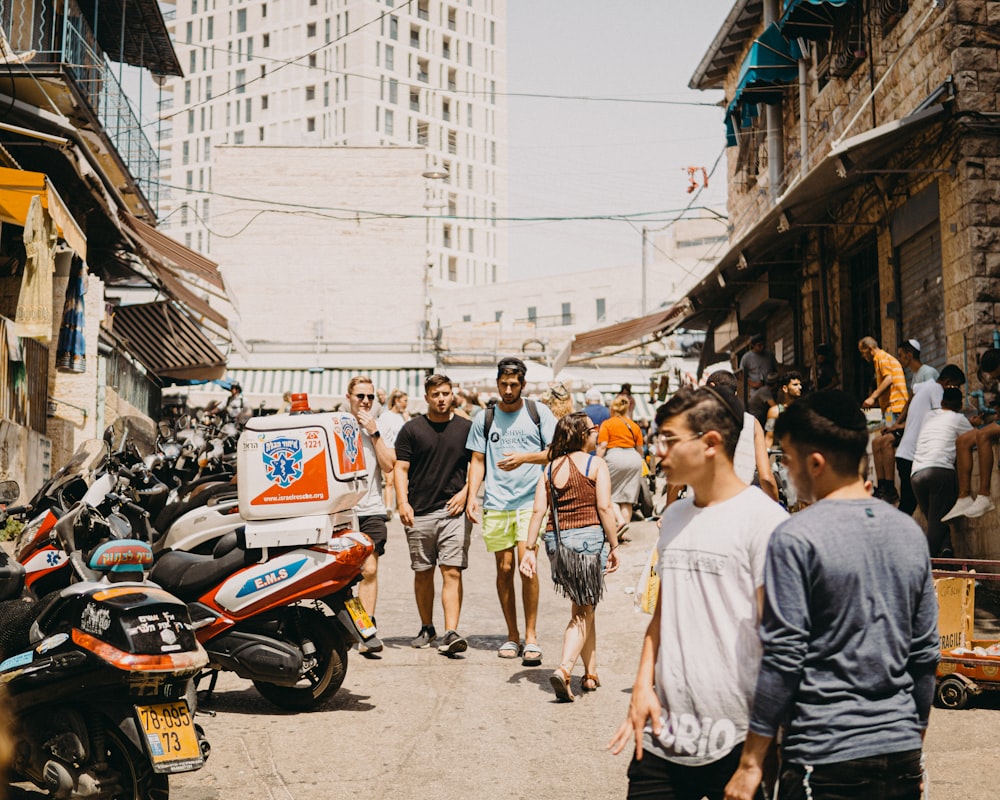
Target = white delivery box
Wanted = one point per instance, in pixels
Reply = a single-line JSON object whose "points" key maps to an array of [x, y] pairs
{"points": [[300, 465]]}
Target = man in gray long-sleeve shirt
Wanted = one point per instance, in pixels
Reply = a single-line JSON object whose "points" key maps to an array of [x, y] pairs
{"points": [[849, 629]]}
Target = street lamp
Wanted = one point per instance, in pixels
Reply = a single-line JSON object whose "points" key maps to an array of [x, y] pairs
{"points": [[432, 173]]}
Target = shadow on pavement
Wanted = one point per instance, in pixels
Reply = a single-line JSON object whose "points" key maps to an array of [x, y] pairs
{"points": [[248, 701]]}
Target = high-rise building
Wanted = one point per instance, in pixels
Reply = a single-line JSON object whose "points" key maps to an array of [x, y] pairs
{"points": [[356, 73]]}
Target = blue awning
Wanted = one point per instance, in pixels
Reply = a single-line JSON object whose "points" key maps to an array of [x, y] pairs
{"points": [[810, 19], [771, 64]]}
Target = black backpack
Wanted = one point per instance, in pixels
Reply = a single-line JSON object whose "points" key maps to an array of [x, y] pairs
{"points": [[532, 412]]}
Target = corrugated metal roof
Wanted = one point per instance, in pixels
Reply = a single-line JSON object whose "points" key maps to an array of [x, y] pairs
{"points": [[167, 342], [146, 41]]}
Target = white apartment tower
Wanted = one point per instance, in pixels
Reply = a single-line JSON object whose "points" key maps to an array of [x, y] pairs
{"points": [[355, 73]]}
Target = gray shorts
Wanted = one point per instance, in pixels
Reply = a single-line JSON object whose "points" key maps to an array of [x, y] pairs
{"points": [[438, 538]]}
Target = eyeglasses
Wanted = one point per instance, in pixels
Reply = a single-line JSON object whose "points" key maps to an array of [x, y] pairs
{"points": [[361, 397], [664, 441], [594, 428]]}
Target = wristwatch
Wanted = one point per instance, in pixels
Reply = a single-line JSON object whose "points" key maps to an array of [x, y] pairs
{"points": [[376, 435], [531, 547]]}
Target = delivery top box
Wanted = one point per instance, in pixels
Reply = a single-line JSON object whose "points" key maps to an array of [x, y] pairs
{"points": [[292, 465]]}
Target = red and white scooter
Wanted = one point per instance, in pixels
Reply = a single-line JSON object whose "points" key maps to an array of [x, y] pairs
{"points": [[274, 603]]}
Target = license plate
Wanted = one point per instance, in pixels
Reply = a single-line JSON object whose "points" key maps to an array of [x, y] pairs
{"points": [[170, 737], [360, 618]]}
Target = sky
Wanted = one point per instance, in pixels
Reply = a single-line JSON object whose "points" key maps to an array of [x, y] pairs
{"points": [[589, 157]]}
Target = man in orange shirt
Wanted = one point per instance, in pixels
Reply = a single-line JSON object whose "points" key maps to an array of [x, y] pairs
{"points": [[891, 395]]}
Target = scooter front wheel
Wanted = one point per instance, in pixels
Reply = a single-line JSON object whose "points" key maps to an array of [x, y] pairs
{"points": [[322, 681]]}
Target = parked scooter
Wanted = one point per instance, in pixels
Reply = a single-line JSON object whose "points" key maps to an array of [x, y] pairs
{"points": [[274, 602], [99, 673]]}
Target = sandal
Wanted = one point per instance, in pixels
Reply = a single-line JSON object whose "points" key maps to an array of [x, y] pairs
{"points": [[509, 649], [560, 685], [590, 683], [532, 655]]}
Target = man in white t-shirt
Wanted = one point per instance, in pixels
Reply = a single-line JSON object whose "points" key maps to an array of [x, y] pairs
{"points": [[925, 398], [371, 511], [935, 482], [690, 705]]}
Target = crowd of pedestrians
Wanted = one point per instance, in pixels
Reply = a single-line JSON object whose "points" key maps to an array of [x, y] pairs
{"points": [[818, 629]]}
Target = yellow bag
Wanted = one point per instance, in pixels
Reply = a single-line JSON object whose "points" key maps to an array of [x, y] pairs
{"points": [[647, 590]]}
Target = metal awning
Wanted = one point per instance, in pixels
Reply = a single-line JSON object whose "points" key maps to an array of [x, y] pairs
{"points": [[807, 201], [18, 186], [728, 45], [771, 64], [167, 342], [134, 32], [811, 19], [167, 258]]}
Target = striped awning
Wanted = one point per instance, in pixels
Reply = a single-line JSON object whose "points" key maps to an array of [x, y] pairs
{"points": [[322, 382]]}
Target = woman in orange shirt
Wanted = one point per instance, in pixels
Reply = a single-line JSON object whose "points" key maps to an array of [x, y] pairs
{"points": [[620, 444]]}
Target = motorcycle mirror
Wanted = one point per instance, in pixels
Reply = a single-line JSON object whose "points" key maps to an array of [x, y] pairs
{"points": [[131, 430], [9, 492]]}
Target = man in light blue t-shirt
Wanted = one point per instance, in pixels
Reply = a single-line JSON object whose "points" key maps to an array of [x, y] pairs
{"points": [[510, 462]]}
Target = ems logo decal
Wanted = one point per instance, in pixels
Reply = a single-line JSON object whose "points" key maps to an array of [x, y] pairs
{"points": [[283, 461], [265, 580]]}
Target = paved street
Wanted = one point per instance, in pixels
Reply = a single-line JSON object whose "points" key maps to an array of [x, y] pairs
{"points": [[415, 724]]}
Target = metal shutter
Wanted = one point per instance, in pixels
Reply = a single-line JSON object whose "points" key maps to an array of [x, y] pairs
{"points": [[922, 293]]}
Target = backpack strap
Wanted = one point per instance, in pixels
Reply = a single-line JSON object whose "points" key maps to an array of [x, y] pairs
{"points": [[586, 469]]}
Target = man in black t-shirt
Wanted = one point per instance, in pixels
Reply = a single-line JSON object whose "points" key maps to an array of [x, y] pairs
{"points": [[431, 498]]}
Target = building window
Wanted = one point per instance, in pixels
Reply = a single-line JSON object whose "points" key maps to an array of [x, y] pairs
{"points": [[472, 240], [414, 99], [193, 61], [311, 124], [211, 27], [260, 133], [310, 30], [241, 20], [393, 90], [415, 37], [470, 182], [189, 29], [238, 137], [265, 40], [601, 308], [190, 122], [390, 57], [532, 314], [247, 107], [187, 92], [446, 49], [452, 142], [452, 268], [263, 102], [312, 61], [466, 317], [241, 79], [208, 87], [185, 153], [497, 316], [567, 314], [263, 10], [310, 93], [446, 110], [422, 133], [389, 122], [422, 68], [446, 232]]}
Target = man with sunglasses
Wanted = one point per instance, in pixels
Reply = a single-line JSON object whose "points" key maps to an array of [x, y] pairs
{"points": [[690, 706], [371, 511]]}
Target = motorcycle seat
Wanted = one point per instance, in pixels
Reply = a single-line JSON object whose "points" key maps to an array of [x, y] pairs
{"points": [[189, 575]]}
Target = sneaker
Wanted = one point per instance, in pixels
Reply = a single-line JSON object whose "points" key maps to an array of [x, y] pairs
{"points": [[452, 644], [370, 647], [958, 510], [425, 637], [980, 506]]}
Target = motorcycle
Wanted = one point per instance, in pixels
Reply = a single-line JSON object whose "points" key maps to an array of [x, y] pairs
{"points": [[99, 674], [274, 602]]}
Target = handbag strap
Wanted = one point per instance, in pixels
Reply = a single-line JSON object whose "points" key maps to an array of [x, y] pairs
{"points": [[552, 506]]}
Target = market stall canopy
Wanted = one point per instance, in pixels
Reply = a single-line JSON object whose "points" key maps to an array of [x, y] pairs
{"points": [[167, 342], [622, 333], [18, 186], [811, 19]]}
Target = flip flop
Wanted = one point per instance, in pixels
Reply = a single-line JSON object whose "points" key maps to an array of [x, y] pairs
{"points": [[532, 655], [509, 649]]}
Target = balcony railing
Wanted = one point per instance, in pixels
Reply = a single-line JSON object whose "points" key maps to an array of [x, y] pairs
{"points": [[62, 37]]}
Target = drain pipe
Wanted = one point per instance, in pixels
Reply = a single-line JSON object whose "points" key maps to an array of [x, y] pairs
{"points": [[803, 113], [775, 138]]}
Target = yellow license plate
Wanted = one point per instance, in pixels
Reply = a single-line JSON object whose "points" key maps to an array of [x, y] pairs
{"points": [[360, 617], [170, 737]]}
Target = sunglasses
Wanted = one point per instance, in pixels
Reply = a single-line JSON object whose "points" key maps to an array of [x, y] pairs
{"points": [[360, 397]]}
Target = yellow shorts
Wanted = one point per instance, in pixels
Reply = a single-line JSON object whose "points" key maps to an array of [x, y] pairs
{"points": [[502, 530]]}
